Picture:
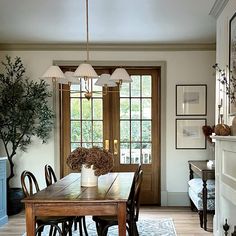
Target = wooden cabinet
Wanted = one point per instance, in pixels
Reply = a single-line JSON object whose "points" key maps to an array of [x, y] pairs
{"points": [[3, 192]]}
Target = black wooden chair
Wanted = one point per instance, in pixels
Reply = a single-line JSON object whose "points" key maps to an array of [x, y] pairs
{"points": [[30, 186], [50, 178], [54, 230], [104, 222]]}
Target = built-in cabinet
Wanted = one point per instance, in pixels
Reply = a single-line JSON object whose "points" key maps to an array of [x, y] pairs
{"points": [[225, 184], [3, 192]]}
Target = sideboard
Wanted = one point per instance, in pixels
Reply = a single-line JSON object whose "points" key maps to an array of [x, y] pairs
{"points": [[225, 184], [3, 192]]}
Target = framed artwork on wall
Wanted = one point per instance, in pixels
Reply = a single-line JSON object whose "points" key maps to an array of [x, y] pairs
{"points": [[232, 62], [191, 99], [189, 134]]}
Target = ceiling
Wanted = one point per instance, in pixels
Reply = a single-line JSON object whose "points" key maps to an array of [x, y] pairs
{"points": [[110, 21]]}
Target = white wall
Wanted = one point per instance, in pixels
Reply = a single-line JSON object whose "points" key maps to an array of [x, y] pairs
{"points": [[222, 49], [182, 67]]}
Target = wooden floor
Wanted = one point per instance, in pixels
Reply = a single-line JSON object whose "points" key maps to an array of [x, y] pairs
{"points": [[186, 222]]}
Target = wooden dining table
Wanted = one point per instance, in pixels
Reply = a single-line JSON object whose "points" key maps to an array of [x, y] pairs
{"points": [[67, 197]]}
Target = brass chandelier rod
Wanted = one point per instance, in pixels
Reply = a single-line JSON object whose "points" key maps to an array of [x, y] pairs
{"points": [[87, 31]]}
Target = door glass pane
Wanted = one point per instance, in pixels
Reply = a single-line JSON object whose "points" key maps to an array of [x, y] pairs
{"points": [[124, 153], [87, 145], [75, 131], [135, 109], [135, 131], [146, 109], [124, 108], [75, 108], [146, 85], [75, 90], [124, 131], [146, 153], [146, 131], [124, 90], [135, 86], [86, 109], [86, 131], [74, 146], [97, 109], [135, 153], [97, 131]]}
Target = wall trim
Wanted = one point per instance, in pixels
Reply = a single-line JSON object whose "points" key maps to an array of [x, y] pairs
{"points": [[109, 47], [218, 7]]}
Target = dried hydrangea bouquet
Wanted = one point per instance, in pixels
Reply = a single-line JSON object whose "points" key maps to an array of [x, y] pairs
{"points": [[92, 162]]}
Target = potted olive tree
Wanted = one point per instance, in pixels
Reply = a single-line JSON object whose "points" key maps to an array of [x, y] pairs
{"points": [[24, 112]]}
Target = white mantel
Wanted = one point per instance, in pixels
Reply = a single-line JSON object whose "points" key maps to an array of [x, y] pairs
{"points": [[225, 176]]}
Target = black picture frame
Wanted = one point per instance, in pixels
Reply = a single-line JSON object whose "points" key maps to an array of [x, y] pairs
{"points": [[232, 58], [189, 134], [191, 99]]}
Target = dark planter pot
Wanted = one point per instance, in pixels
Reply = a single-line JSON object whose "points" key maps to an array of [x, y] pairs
{"points": [[14, 204]]}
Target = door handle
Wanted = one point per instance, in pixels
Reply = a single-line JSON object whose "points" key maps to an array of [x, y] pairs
{"points": [[115, 150], [107, 145]]}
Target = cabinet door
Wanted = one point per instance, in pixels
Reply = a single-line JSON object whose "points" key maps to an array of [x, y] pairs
{"points": [[3, 216]]}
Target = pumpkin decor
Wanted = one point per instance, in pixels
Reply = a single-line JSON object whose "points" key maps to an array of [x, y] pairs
{"points": [[222, 130]]}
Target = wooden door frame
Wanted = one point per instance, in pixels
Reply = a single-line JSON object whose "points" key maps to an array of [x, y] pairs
{"points": [[153, 64]]}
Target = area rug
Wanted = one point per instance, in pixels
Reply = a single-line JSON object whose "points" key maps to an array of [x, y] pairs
{"points": [[146, 227]]}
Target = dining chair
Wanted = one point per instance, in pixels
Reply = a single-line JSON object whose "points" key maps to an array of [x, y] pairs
{"points": [[104, 222], [29, 187], [50, 178], [55, 229]]}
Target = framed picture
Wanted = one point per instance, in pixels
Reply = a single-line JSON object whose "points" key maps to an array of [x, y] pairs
{"points": [[189, 134], [191, 99], [232, 57]]}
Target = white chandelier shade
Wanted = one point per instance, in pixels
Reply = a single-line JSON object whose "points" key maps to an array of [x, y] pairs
{"points": [[85, 70], [54, 72], [104, 80], [69, 78], [120, 75]]}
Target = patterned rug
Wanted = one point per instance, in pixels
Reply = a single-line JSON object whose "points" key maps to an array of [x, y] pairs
{"points": [[146, 227]]}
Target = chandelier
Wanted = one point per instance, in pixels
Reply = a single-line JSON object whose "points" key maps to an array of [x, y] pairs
{"points": [[86, 72]]}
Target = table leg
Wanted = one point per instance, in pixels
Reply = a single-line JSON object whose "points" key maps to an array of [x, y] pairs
{"points": [[122, 218], [30, 220], [204, 202]]}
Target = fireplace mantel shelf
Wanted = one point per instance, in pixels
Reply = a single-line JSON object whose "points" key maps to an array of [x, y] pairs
{"points": [[225, 138]]}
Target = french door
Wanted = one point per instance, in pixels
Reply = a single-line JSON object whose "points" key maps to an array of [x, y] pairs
{"points": [[125, 121]]}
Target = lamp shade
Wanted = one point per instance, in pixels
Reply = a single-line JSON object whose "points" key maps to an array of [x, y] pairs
{"points": [[120, 74], [54, 72], [69, 78], [104, 80], [85, 70]]}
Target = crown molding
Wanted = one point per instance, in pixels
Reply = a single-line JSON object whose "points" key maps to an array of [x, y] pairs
{"points": [[218, 7], [109, 47]]}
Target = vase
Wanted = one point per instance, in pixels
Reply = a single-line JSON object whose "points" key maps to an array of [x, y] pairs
{"points": [[88, 178], [233, 127]]}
